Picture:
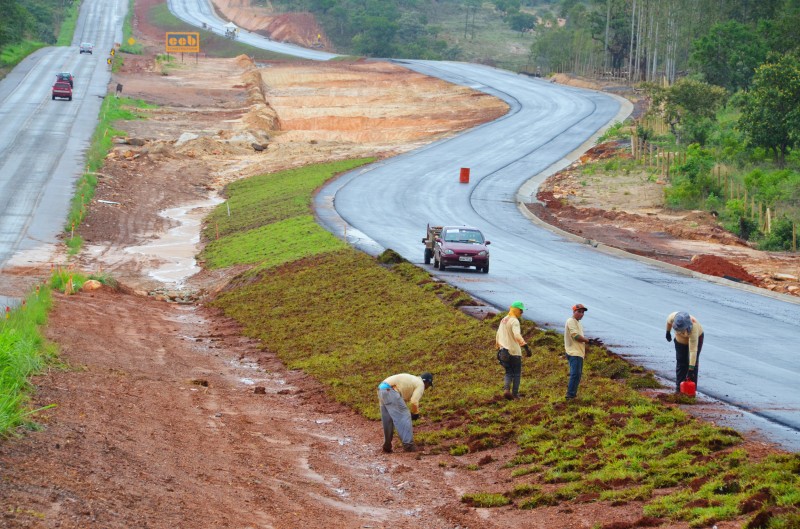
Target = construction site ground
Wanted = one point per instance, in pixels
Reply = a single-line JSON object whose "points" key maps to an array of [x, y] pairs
{"points": [[163, 414]]}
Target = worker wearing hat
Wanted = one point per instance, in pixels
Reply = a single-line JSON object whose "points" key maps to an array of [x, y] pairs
{"points": [[510, 344], [688, 344], [575, 347], [393, 394]]}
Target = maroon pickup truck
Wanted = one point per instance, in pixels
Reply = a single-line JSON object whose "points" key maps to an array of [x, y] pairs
{"points": [[63, 90]]}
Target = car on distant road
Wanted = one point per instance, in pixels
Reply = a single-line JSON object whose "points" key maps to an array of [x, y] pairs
{"points": [[62, 90], [461, 246], [65, 77], [87, 47]]}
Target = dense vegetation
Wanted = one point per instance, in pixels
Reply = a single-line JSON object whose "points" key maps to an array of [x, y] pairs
{"points": [[26, 25], [725, 78], [350, 320], [497, 33], [37, 20], [740, 154]]}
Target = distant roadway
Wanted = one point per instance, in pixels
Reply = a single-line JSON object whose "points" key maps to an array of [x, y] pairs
{"points": [[43, 142]]}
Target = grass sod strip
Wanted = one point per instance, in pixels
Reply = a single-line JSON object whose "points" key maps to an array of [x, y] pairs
{"points": [[271, 245], [23, 353], [349, 321], [265, 199]]}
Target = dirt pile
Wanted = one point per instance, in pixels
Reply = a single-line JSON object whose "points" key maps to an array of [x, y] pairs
{"points": [[714, 265]]}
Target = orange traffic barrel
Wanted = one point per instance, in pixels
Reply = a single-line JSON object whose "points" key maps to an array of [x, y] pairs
{"points": [[464, 178]]}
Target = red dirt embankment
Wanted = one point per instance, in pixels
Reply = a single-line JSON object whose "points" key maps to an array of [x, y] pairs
{"points": [[622, 205]]}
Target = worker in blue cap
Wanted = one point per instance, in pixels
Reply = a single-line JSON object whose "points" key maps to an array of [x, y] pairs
{"points": [[688, 344]]}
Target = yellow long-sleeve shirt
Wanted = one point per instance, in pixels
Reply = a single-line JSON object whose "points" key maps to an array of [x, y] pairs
{"points": [[410, 387]]}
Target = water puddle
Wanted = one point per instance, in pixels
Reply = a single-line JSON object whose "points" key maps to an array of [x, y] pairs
{"points": [[176, 249]]}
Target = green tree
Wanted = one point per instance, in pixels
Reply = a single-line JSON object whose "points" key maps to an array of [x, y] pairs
{"points": [[611, 27], [507, 6], [29, 20], [521, 21], [693, 182], [687, 103], [781, 33], [553, 47], [771, 109], [376, 36], [728, 55]]}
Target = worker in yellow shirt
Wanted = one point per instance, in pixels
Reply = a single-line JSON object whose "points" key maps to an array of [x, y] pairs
{"points": [[396, 395], [510, 344]]}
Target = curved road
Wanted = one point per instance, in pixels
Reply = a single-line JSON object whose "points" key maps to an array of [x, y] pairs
{"points": [[747, 360], [199, 12]]}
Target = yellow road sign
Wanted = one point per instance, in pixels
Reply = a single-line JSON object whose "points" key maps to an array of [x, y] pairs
{"points": [[183, 42]]}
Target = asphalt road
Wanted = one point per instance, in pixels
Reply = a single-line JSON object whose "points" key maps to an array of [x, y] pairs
{"points": [[42, 142], [747, 360]]}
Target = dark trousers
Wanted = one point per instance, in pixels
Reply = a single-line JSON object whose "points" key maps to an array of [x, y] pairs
{"points": [[682, 361], [513, 374], [575, 374]]}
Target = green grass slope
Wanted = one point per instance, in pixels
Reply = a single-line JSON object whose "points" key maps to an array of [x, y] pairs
{"points": [[350, 320]]}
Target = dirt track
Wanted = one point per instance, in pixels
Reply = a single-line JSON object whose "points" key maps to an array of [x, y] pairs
{"points": [[159, 426]]}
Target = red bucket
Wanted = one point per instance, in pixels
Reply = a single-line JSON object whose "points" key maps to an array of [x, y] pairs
{"points": [[688, 388]]}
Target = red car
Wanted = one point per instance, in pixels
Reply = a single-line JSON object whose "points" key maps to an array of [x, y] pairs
{"points": [[461, 246], [63, 90]]}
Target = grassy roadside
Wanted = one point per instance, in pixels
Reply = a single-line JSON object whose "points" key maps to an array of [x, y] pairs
{"points": [[23, 352], [349, 321], [126, 46]]}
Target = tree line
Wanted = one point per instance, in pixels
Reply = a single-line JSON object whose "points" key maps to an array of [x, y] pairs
{"points": [[663, 40], [405, 28], [35, 20]]}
